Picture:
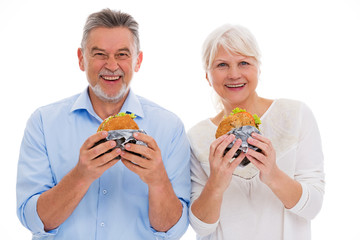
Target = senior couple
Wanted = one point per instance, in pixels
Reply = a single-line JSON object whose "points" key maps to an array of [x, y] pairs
{"points": [[65, 190]]}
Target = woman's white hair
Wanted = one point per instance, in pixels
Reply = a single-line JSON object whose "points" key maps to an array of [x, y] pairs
{"points": [[233, 38]]}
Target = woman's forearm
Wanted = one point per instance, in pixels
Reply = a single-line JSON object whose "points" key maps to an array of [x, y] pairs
{"points": [[288, 190], [207, 206]]}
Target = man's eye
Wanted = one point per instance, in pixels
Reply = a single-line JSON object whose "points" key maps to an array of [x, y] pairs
{"points": [[122, 55], [99, 55]]}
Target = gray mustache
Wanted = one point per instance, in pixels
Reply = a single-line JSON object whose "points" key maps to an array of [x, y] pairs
{"points": [[110, 73]]}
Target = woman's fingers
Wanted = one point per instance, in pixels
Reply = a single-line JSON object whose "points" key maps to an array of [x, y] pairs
{"points": [[230, 154], [220, 148]]}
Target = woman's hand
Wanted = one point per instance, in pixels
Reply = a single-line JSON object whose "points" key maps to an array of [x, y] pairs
{"points": [[265, 160], [222, 166], [284, 187], [207, 206]]}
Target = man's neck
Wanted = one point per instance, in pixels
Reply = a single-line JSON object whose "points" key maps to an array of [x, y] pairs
{"points": [[106, 109]]}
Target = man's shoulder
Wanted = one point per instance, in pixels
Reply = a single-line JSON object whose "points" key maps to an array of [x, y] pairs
{"points": [[152, 109], [61, 106]]}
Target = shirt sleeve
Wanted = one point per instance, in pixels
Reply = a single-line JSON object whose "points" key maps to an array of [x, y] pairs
{"points": [[33, 177], [198, 181], [177, 164], [309, 170]]}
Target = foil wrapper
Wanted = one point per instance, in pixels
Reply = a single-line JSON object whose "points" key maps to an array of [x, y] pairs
{"points": [[122, 137], [243, 133]]}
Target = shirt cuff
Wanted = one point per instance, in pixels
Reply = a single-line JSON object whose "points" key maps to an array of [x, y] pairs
{"points": [[176, 231], [33, 221], [302, 201], [200, 227]]}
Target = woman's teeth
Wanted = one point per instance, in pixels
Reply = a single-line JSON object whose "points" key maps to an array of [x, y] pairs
{"points": [[235, 85]]}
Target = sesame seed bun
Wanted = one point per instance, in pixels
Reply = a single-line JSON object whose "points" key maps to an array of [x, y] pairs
{"points": [[237, 119], [117, 122]]}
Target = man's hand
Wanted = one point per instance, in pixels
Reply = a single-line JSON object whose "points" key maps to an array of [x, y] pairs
{"points": [[165, 209], [150, 167], [91, 165], [56, 205]]}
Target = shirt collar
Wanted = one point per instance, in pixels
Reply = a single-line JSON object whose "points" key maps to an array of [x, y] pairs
{"points": [[131, 104], [83, 102]]}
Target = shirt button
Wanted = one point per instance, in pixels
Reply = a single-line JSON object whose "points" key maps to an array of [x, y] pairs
{"points": [[102, 224], [104, 191]]}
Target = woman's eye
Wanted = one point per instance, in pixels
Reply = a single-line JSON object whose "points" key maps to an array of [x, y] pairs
{"points": [[222, 65], [244, 63]]}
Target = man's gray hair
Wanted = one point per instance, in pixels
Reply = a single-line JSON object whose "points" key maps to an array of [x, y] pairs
{"points": [[111, 19]]}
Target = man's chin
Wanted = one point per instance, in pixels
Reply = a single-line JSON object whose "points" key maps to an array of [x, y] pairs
{"points": [[113, 98]]}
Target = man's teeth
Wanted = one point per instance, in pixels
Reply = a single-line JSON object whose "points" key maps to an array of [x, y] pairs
{"points": [[235, 85], [111, 78]]}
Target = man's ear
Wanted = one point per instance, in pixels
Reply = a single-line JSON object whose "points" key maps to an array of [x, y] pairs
{"points": [[81, 59], [138, 61]]}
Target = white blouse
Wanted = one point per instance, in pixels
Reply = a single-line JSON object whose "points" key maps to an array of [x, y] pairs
{"points": [[249, 209]]}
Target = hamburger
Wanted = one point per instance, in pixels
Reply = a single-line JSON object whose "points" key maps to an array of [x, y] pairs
{"points": [[237, 118], [120, 128], [119, 121], [242, 124]]}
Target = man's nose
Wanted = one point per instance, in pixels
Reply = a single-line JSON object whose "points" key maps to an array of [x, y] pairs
{"points": [[112, 64]]}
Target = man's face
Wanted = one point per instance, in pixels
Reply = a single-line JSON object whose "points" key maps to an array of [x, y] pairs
{"points": [[109, 61]]}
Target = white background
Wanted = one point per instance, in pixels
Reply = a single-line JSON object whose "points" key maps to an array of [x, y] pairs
{"points": [[310, 53]]}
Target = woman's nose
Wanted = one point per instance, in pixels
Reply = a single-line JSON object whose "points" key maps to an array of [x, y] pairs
{"points": [[234, 72]]}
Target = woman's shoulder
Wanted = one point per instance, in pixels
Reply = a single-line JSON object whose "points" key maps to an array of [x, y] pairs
{"points": [[201, 131], [286, 103], [201, 126], [284, 118], [285, 109]]}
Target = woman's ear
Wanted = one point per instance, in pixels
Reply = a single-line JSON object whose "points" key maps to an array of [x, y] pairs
{"points": [[207, 78]]}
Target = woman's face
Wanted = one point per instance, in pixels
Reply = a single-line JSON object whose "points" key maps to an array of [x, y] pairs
{"points": [[234, 77]]}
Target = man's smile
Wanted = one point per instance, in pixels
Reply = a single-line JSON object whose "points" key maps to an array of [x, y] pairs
{"points": [[110, 78]]}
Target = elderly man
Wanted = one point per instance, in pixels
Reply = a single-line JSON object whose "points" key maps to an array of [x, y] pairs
{"points": [[69, 189]]}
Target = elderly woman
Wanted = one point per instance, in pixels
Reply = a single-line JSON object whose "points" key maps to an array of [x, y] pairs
{"points": [[281, 190]]}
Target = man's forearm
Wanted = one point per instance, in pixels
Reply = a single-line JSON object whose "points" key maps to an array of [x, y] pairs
{"points": [[56, 205], [165, 209]]}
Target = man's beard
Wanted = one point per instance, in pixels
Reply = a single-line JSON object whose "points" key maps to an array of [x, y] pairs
{"points": [[104, 96]]}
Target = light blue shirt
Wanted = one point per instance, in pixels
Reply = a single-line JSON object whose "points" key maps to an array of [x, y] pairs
{"points": [[116, 205]]}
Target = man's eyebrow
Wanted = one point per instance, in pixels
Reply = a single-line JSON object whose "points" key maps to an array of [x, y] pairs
{"points": [[103, 50], [97, 49], [124, 49]]}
